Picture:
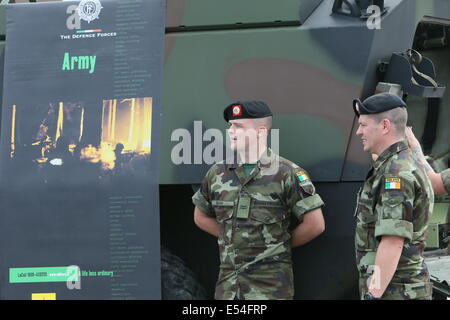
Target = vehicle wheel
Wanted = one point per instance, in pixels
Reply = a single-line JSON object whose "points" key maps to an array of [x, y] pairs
{"points": [[178, 282]]}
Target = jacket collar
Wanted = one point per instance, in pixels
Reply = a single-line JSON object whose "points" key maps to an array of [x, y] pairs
{"points": [[390, 151], [265, 161]]}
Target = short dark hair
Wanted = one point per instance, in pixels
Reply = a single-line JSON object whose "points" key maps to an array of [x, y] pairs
{"points": [[398, 117]]}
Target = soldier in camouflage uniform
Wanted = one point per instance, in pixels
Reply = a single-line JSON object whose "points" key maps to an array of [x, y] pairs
{"points": [[248, 207], [440, 181], [393, 206]]}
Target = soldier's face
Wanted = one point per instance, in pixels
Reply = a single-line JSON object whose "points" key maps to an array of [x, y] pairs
{"points": [[243, 135], [370, 131]]}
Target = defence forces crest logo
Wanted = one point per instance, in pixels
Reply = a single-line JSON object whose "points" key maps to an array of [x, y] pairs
{"points": [[89, 10]]}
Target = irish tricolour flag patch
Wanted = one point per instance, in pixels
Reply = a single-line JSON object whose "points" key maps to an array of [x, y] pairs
{"points": [[302, 176], [392, 184]]}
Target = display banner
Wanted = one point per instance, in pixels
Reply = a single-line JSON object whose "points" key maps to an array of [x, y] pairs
{"points": [[79, 160]]}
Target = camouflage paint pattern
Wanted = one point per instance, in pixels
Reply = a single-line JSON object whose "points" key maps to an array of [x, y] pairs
{"points": [[254, 244], [400, 210], [445, 175]]}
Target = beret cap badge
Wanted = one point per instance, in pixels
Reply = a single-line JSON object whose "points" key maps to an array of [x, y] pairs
{"points": [[237, 110], [246, 110]]}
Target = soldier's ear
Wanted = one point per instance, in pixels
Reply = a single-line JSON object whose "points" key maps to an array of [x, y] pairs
{"points": [[387, 126]]}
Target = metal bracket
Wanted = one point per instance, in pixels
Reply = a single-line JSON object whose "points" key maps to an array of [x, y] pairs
{"points": [[441, 288], [416, 76]]}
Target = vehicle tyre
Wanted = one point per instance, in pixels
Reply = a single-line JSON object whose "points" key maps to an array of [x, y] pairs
{"points": [[178, 282]]}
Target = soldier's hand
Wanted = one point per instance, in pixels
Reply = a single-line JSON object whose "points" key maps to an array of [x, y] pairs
{"points": [[412, 140]]}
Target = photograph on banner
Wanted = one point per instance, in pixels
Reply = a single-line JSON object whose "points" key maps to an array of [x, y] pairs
{"points": [[112, 137]]}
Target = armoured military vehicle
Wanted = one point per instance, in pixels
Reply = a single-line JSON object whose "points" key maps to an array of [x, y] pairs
{"points": [[307, 59]]}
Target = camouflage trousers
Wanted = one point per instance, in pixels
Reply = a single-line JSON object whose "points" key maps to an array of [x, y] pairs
{"points": [[402, 291], [263, 281]]}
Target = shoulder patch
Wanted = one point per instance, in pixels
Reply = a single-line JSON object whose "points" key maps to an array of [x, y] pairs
{"points": [[302, 175], [392, 184]]}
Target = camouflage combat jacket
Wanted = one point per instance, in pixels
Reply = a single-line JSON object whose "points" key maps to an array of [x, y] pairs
{"points": [[254, 215], [445, 175], [396, 199]]}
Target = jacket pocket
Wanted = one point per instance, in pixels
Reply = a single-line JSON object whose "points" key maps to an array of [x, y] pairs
{"points": [[267, 212], [223, 209]]}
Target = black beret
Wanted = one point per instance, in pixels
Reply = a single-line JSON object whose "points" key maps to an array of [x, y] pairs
{"points": [[246, 110], [378, 103]]}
